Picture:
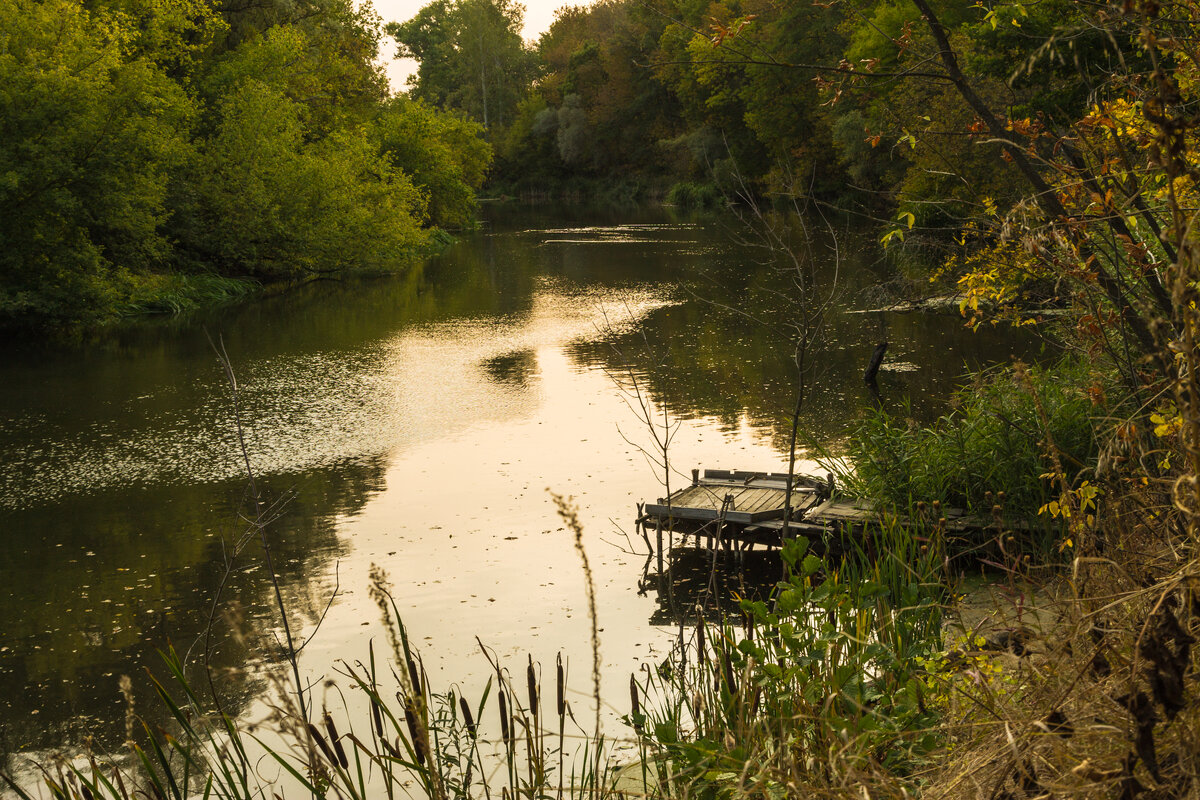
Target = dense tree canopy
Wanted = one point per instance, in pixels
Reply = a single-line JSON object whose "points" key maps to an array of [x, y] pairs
{"points": [[963, 123], [173, 143]]}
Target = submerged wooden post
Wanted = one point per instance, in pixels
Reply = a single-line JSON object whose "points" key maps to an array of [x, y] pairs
{"points": [[728, 504]]}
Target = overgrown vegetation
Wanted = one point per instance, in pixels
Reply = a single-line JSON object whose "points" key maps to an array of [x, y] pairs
{"points": [[995, 444], [695, 195], [1048, 152], [806, 691], [824, 688]]}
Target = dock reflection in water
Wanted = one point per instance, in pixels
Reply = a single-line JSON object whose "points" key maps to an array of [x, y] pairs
{"points": [[695, 585]]}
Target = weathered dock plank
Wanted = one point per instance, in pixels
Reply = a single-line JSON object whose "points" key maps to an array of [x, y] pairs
{"points": [[738, 498]]}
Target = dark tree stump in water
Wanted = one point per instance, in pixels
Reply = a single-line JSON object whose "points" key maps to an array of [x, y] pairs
{"points": [[875, 363]]}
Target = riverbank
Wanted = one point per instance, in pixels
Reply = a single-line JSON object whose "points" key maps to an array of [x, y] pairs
{"points": [[181, 295]]}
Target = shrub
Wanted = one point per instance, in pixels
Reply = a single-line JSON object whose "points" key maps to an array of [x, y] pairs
{"points": [[694, 195], [995, 440]]}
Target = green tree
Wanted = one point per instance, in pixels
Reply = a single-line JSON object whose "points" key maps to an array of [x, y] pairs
{"points": [[329, 69], [597, 108], [282, 207], [471, 55], [89, 136], [443, 153]]}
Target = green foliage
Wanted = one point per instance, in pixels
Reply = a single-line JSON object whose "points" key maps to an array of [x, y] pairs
{"points": [[155, 143], [444, 154], [823, 687], [288, 208], [472, 57], [997, 439], [695, 195], [595, 111], [175, 293], [788, 91], [89, 137]]}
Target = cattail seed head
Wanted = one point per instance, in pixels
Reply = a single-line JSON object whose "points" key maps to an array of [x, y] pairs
{"points": [[503, 716], [410, 716], [336, 741], [561, 689], [531, 685], [377, 717], [414, 676], [321, 744], [467, 718]]}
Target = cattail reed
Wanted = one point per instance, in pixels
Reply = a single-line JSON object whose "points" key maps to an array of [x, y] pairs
{"points": [[634, 704], [503, 717], [336, 741], [377, 716], [413, 675], [321, 744], [531, 685], [561, 688], [418, 742], [467, 718], [727, 664]]}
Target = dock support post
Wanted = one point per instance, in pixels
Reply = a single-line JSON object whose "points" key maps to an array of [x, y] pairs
{"points": [[658, 536]]}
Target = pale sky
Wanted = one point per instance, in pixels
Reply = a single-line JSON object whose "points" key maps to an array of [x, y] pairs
{"points": [[538, 16]]}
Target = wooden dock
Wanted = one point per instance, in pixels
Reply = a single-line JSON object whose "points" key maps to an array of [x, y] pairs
{"points": [[738, 498], [737, 511]]}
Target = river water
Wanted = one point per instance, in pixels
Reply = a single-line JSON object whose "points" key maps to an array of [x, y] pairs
{"points": [[418, 424]]}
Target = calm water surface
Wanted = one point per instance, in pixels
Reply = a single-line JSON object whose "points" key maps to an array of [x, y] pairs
{"points": [[416, 424]]}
